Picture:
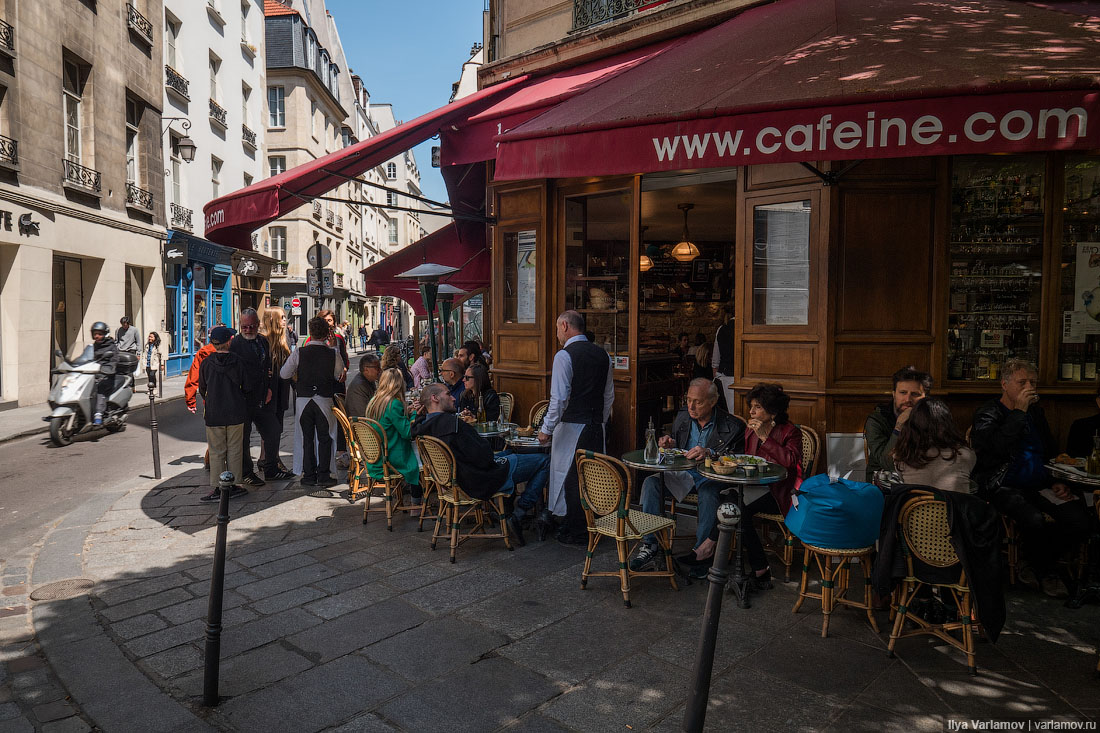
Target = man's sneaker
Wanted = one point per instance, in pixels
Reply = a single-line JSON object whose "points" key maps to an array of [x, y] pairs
{"points": [[326, 481], [212, 496], [237, 491], [278, 474], [644, 559], [97, 419], [251, 479]]}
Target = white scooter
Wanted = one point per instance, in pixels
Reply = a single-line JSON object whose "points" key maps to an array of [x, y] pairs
{"points": [[73, 392]]}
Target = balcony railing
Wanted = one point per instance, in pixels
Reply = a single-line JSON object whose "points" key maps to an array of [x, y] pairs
{"points": [[339, 222], [7, 38], [278, 270], [9, 151], [316, 209], [139, 23], [82, 177], [138, 197], [593, 12], [248, 136], [330, 218], [181, 218], [339, 280], [255, 241], [176, 82], [218, 114]]}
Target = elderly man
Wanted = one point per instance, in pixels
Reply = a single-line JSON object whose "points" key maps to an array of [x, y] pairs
{"points": [[582, 390], [255, 354], [702, 431], [362, 387], [481, 474], [451, 372], [884, 424], [1013, 442], [422, 368]]}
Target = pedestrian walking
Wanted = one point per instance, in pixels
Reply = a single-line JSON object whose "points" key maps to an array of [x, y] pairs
{"points": [[222, 384], [291, 336], [150, 358], [316, 370], [127, 337], [255, 354]]}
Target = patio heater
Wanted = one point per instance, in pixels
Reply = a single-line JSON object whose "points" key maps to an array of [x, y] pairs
{"points": [[445, 297], [427, 278]]}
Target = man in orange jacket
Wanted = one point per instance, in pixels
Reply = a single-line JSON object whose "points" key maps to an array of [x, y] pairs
{"points": [[191, 386]]}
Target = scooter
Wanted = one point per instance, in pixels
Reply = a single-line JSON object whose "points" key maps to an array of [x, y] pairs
{"points": [[73, 391]]}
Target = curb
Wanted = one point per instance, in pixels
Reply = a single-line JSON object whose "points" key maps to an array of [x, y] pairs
{"points": [[45, 428]]}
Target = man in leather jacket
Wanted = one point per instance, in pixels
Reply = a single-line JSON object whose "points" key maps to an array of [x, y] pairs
{"points": [[702, 431], [1013, 442], [105, 353]]}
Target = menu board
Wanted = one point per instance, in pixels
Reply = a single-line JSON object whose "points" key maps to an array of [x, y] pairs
{"points": [[525, 268], [781, 264]]}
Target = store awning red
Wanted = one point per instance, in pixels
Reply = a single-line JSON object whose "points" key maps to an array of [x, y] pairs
{"points": [[232, 218], [459, 244], [806, 80]]}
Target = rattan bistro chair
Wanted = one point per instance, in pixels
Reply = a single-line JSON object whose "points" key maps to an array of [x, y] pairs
{"points": [[776, 537], [834, 581], [538, 413], [357, 469], [455, 505], [924, 537], [375, 449], [507, 402], [605, 496]]}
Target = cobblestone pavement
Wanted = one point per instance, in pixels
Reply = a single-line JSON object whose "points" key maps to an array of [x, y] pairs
{"points": [[330, 624]]}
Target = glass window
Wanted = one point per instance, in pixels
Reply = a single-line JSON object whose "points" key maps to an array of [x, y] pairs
{"points": [[996, 263], [73, 93], [313, 118], [246, 96], [177, 177], [520, 271], [215, 63], [277, 164], [171, 36], [311, 50], [781, 264], [215, 176], [1080, 306], [278, 243], [393, 231], [391, 198], [276, 107], [133, 120], [391, 170]]}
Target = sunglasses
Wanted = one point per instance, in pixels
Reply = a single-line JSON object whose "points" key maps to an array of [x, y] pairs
{"points": [[467, 378]]}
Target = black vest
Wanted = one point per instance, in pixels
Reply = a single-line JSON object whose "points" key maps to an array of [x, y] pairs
{"points": [[725, 350], [315, 367], [590, 364]]}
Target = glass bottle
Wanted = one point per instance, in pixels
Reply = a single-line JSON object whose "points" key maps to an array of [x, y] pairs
{"points": [[651, 453], [1089, 371], [1092, 465], [1078, 363], [481, 409], [1066, 368]]}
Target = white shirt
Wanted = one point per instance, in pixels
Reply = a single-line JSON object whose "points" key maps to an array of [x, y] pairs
{"points": [[560, 380]]}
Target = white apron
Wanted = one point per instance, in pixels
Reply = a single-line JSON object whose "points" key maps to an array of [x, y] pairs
{"points": [[325, 403], [563, 451]]}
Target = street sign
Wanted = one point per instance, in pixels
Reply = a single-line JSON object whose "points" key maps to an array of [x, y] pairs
{"points": [[313, 284], [325, 255], [326, 283], [295, 303]]}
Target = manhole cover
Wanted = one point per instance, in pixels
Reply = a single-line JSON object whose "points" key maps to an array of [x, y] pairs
{"points": [[62, 589]]}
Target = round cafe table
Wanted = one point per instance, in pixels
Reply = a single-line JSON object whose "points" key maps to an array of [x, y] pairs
{"points": [[636, 459], [764, 475], [1089, 585]]}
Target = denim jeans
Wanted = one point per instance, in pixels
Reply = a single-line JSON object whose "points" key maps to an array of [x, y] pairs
{"points": [[532, 469], [653, 502]]}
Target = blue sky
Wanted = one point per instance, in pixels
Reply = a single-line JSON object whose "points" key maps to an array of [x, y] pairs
{"points": [[409, 52]]}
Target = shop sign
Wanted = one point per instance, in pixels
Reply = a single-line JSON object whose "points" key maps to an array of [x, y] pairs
{"points": [[175, 253], [251, 267], [24, 224]]}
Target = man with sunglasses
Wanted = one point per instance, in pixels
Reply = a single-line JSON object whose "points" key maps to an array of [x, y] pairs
{"points": [[451, 373]]}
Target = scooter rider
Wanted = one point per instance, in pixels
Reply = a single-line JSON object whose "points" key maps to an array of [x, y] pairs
{"points": [[105, 353]]}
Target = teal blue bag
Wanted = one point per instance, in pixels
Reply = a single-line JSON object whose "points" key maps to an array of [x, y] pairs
{"points": [[842, 515]]}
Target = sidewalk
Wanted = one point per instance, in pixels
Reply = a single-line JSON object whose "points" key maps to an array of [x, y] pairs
{"points": [[333, 625]]}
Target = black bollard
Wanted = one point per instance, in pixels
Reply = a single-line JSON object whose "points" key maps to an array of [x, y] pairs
{"points": [[729, 516], [212, 657], [153, 432]]}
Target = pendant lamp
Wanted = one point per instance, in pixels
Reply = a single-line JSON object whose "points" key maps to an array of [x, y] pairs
{"points": [[645, 262], [685, 251]]}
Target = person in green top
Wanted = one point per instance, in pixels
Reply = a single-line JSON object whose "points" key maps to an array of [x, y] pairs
{"points": [[388, 408], [883, 426]]}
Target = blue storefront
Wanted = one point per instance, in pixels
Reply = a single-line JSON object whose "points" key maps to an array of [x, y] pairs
{"points": [[198, 295]]}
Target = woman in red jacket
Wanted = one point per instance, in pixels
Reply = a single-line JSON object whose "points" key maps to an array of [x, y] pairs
{"points": [[773, 436]]}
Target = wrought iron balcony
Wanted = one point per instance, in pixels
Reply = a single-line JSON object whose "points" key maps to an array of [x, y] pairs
{"points": [[248, 136], [588, 13], [7, 38], [138, 197], [218, 114], [82, 177], [9, 151], [176, 82], [339, 279], [278, 270], [339, 222], [317, 209], [139, 23], [181, 218], [330, 218], [255, 241]]}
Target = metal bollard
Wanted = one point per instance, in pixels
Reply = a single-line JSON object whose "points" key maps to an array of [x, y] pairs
{"points": [[153, 432], [729, 516], [212, 657]]}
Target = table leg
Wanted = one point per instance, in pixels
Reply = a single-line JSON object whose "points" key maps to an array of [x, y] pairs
{"points": [[739, 581]]}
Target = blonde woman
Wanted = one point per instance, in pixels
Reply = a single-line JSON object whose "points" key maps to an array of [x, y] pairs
{"points": [[388, 408], [273, 328]]}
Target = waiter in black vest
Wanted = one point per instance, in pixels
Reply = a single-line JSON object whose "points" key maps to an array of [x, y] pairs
{"points": [[722, 359], [581, 394]]}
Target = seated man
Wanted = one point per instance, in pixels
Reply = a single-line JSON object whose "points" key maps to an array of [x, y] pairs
{"points": [[701, 431], [1013, 442], [362, 387], [451, 371], [884, 425], [480, 473]]}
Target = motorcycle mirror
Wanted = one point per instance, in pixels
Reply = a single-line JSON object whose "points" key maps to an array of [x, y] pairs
{"points": [[58, 354]]}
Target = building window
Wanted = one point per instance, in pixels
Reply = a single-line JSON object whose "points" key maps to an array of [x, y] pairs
{"points": [[278, 243], [391, 198], [215, 176], [391, 170], [175, 169], [245, 7], [171, 37], [311, 50], [276, 106], [393, 231], [133, 123], [75, 78], [313, 119], [246, 97], [215, 64], [277, 164], [247, 180]]}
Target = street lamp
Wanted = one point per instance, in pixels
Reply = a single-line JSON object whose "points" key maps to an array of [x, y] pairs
{"points": [[445, 296], [186, 145], [427, 277]]}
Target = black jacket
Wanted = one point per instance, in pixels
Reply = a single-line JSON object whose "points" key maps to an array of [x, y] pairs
{"points": [[359, 393], [105, 353], [222, 384], [1079, 443], [491, 399], [728, 433], [976, 535], [996, 437], [257, 371], [480, 473]]}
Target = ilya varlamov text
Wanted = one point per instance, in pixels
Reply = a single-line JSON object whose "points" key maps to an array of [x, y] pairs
{"points": [[953, 725]]}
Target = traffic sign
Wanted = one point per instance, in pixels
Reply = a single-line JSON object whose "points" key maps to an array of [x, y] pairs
{"points": [[295, 302], [313, 284], [319, 251]]}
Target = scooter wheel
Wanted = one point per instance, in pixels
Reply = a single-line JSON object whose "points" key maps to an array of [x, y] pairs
{"points": [[59, 433]]}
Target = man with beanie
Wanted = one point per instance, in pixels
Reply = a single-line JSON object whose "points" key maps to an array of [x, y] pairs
{"points": [[222, 386]]}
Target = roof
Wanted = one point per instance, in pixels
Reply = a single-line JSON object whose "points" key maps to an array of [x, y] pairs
{"points": [[274, 7]]}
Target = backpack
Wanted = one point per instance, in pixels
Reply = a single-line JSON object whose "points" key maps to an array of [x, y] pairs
{"points": [[841, 515]]}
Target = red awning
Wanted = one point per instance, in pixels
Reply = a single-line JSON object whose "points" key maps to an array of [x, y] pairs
{"points": [[830, 80], [459, 244], [232, 218]]}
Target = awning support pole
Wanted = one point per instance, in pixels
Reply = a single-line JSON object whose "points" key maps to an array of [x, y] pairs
{"points": [[830, 178]]}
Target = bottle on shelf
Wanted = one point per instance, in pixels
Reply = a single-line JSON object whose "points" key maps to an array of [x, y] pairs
{"points": [[1088, 372], [1065, 368], [1078, 364]]}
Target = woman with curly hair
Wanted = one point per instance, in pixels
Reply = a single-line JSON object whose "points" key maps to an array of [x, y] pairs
{"points": [[391, 359], [931, 451]]}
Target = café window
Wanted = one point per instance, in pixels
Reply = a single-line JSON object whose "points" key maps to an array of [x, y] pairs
{"points": [[996, 251], [1079, 352], [781, 264], [520, 276], [597, 268]]}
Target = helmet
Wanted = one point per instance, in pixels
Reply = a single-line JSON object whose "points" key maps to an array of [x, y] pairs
{"points": [[100, 326]]}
